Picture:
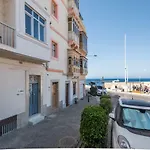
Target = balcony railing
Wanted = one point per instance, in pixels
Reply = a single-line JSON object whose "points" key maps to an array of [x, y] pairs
{"points": [[73, 37], [7, 35], [84, 71], [72, 5]]}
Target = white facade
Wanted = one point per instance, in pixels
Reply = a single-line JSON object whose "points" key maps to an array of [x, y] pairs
{"points": [[81, 89], [23, 57], [34, 82], [58, 67]]}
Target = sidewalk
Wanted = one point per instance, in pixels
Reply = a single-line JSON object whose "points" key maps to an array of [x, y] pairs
{"points": [[57, 130]]}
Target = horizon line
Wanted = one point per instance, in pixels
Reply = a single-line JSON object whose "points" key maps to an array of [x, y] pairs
{"points": [[121, 78]]}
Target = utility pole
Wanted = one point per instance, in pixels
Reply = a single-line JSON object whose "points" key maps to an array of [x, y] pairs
{"points": [[125, 65]]}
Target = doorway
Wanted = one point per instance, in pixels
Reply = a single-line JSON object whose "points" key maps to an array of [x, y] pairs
{"points": [[33, 95], [55, 94], [83, 90], [67, 94]]}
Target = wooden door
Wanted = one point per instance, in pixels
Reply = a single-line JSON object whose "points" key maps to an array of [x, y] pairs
{"points": [[55, 94], [67, 94]]}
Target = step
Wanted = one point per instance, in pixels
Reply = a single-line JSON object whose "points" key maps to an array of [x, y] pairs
{"points": [[36, 119]]}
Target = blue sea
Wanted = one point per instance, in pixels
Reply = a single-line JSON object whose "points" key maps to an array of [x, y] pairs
{"points": [[99, 81]]}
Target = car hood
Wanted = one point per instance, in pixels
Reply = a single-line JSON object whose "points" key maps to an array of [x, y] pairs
{"points": [[136, 141]]}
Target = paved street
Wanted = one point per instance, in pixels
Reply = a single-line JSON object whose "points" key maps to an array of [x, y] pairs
{"points": [[58, 130]]}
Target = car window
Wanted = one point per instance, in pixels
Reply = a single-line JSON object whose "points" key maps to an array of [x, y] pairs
{"points": [[136, 118], [117, 112]]}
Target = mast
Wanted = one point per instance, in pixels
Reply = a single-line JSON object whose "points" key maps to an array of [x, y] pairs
{"points": [[125, 65]]}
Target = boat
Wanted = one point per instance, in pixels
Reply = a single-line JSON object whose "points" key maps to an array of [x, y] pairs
{"points": [[114, 81]]}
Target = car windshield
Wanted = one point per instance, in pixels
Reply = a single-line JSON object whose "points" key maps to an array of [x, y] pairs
{"points": [[136, 118], [99, 87]]}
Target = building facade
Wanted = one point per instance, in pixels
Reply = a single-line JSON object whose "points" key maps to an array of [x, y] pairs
{"points": [[68, 66], [57, 67], [43, 64], [24, 51], [77, 51]]}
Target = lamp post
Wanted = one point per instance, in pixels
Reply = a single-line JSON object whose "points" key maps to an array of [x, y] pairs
{"points": [[92, 55]]}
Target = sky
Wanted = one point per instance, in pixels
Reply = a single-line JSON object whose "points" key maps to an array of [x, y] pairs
{"points": [[106, 22]]}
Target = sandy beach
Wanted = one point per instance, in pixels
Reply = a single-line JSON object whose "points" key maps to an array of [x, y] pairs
{"points": [[122, 85]]}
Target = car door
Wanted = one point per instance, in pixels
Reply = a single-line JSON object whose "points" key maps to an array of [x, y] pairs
{"points": [[115, 125]]}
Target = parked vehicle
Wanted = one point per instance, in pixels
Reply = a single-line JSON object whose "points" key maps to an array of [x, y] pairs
{"points": [[130, 124], [101, 90]]}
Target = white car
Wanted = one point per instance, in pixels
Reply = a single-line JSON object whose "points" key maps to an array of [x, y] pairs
{"points": [[101, 90], [130, 122]]}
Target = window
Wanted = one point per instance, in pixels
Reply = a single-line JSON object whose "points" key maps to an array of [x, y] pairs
{"points": [[73, 26], [54, 49], [70, 26], [54, 9], [74, 61], [136, 118], [83, 39], [77, 3], [74, 88], [85, 64], [34, 24], [81, 64], [28, 24], [69, 60]]}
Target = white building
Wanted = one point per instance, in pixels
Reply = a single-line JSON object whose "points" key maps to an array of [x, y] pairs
{"points": [[67, 77], [43, 48], [57, 67], [24, 51]]}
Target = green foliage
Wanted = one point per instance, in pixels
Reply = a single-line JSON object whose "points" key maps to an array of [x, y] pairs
{"points": [[93, 127], [105, 96], [106, 104], [93, 91]]}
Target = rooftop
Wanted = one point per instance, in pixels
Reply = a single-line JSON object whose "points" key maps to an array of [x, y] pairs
{"points": [[134, 103]]}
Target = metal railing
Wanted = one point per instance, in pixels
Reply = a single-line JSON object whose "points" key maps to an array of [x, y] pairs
{"points": [[7, 125], [7, 35]]}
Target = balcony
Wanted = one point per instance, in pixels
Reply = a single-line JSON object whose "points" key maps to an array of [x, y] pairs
{"points": [[83, 71], [83, 66], [8, 47], [73, 40], [16, 44], [73, 67], [74, 72], [73, 8], [83, 43], [7, 35]]}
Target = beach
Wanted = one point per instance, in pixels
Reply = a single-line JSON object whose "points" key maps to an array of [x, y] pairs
{"points": [[123, 85]]}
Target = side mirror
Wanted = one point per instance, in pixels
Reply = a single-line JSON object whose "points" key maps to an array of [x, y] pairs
{"points": [[112, 116]]}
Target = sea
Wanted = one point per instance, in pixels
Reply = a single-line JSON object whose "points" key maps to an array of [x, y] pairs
{"points": [[99, 81]]}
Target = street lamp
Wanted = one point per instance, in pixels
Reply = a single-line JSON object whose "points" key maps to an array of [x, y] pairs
{"points": [[92, 55]]}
